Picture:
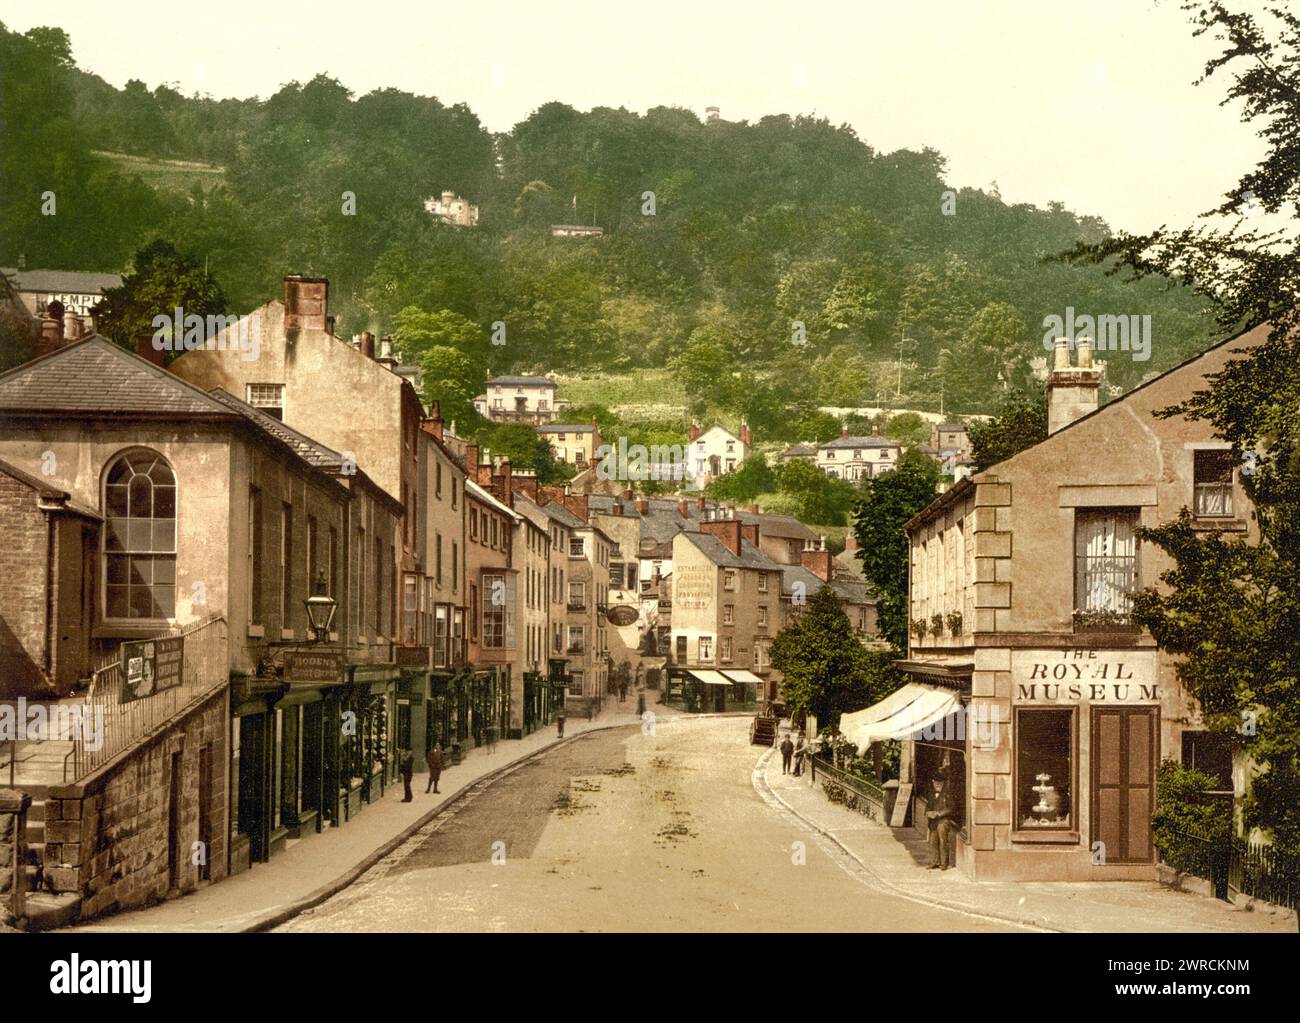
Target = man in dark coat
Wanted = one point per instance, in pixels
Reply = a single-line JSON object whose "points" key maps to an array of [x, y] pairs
{"points": [[407, 766], [940, 809], [787, 751], [559, 724], [434, 760]]}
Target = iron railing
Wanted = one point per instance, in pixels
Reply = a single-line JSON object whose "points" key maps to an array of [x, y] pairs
{"points": [[205, 667], [871, 797]]}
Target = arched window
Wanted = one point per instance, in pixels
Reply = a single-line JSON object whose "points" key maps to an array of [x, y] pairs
{"points": [[140, 537]]}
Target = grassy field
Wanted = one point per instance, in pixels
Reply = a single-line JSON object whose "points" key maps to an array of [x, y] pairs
{"points": [[168, 175], [642, 394]]}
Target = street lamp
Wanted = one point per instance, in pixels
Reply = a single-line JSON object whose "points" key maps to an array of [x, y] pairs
{"points": [[320, 610]]}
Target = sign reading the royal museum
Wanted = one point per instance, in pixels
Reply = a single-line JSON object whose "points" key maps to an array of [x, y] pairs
{"points": [[1084, 676]]}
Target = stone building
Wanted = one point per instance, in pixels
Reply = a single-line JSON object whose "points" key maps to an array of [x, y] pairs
{"points": [[518, 399], [574, 444], [858, 458], [1049, 709], [726, 606]]}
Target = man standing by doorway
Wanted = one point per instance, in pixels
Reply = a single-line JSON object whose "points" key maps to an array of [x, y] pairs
{"points": [[940, 809], [434, 760]]}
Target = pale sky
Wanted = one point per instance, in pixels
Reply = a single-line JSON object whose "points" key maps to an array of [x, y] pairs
{"points": [[1089, 102]]}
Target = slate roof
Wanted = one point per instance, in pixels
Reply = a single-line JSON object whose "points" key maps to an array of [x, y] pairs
{"points": [[846, 589], [522, 381], [783, 526], [70, 281], [796, 450], [96, 376], [859, 442], [950, 427], [563, 516], [312, 452], [718, 552], [561, 428], [47, 492]]}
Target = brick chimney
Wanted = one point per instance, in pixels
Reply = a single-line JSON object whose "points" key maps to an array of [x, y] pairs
{"points": [[643, 506], [746, 437], [434, 424], [1072, 392], [683, 509], [699, 503], [844, 431], [850, 543], [507, 482], [726, 530], [145, 349], [754, 509], [471, 460], [305, 303], [749, 530], [695, 429], [577, 504], [367, 344], [875, 431], [817, 559]]}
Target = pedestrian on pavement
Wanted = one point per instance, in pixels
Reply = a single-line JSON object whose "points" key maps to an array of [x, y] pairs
{"points": [[490, 737], [559, 725], [434, 760], [800, 751], [408, 770], [640, 703], [940, 806], [787, 751], [622, 691]]}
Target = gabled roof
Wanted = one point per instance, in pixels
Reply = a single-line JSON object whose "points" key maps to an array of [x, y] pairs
{"points": [[477, 492], [522, 381], [77, 282], [96, 376], [720, 554], [848, 590], [787, 527]]}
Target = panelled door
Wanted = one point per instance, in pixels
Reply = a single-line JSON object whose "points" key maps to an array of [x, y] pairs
{"points": [[1125, 747]]}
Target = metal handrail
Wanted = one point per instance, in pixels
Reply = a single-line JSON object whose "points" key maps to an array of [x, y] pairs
{"points": [[205, 667]]}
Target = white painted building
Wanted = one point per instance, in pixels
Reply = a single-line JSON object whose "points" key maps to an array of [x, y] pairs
{"points": [[858, 458]]}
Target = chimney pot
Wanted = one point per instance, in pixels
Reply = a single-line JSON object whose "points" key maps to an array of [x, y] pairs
{"points": [[844, 431], [1062, 359], [1085, 352]]}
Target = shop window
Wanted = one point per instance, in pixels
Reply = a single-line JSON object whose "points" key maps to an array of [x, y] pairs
{"points": [[1212, 483], [1045, 769]]}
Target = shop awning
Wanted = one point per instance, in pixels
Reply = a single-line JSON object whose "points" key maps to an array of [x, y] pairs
{"points": [[740, 675], [898, 715], [712, 678]]}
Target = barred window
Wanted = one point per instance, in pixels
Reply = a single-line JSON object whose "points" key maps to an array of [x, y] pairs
{"points": [[140, 537]]}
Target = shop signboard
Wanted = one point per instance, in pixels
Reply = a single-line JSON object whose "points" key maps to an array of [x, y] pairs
{"points": [[151, 665]]}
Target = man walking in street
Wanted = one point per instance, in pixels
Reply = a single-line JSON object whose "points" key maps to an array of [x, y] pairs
{"points": [[434, 760], [559, 724], [407, 766], [940, 806], [787, 751]]}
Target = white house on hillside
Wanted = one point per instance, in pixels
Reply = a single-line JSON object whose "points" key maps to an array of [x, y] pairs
{"points": [[857, 458], [716, 451]]}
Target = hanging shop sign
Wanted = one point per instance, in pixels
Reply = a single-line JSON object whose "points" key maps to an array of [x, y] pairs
{"points": [[621, 615], [315, 667], [1084, 676], [151, 665]]}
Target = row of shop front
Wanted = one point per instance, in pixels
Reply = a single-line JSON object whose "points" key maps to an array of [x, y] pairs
{"points": [[313, 746], [706, 691]]}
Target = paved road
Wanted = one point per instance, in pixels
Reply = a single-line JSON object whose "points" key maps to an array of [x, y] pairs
{"points": [[618, 831]]}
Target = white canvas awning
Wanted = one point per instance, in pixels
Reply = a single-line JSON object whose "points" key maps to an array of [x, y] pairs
{"points": [[712, 678], [898, 715], [739, 675]]}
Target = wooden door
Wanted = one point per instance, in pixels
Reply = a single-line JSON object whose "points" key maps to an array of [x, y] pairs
{"points": [[1124, 754]]}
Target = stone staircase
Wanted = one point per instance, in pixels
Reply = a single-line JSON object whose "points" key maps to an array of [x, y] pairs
{"points": [[763, 731], [45, 908]]}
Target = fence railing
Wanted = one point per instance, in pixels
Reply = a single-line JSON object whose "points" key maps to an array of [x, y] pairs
{"points": [[1234, 866], [870, 797], [205, 666]]}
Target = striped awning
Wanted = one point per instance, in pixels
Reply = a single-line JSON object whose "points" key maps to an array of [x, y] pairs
{"points": [[711, 678], [899, 715]]}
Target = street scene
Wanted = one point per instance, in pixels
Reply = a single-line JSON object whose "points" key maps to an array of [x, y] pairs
{"points": [[757, 477]]}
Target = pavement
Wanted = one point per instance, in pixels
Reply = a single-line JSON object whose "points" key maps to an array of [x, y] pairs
{"points": [[314, 867], [896, 860]]}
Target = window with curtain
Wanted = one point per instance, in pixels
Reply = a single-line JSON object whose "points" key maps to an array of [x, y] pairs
{"points": [[1212, 482], [140, 537], [1106, 566]]}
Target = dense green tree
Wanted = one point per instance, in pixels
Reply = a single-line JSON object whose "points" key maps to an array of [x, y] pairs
{"points": [[161, 280], [754, 477], [450, 377], [825, 668], [888, 501], [1021, 422]]}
